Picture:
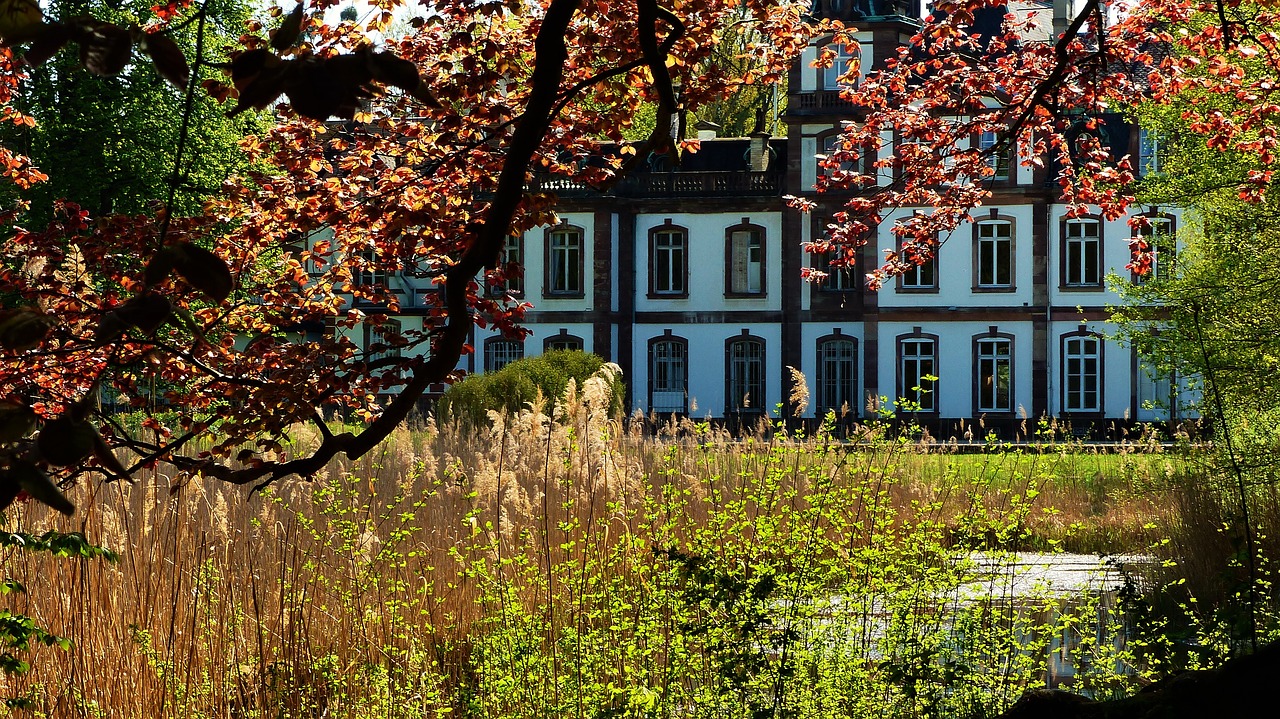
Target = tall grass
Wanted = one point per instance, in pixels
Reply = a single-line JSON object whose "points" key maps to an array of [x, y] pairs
{"points": [[562, 563]]}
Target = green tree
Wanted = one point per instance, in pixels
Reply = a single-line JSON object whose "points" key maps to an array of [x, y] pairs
{"points": [[108, 143]]}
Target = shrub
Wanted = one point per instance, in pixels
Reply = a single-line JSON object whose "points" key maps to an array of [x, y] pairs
{"points": [[520, 384]]}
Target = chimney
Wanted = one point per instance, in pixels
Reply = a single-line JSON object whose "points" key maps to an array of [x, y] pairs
{"points": [[1061, 18], [758, 157], [707, 130]]}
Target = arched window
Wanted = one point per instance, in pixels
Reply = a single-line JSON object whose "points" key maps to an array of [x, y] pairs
{"points": [[500, 352], [1082, 253], [1081, 372], [837, 375], [669, 374], [565, 258], [562, 341], [744, 375], [744, 260]]}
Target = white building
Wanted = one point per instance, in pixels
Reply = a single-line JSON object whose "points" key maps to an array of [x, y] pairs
{"points": [[691, 281]]}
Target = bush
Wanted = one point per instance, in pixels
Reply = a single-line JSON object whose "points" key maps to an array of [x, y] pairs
{"points": [[519, 384]]}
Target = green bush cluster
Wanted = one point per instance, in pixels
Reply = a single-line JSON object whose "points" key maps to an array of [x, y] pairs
{"points": [[520, 384]]}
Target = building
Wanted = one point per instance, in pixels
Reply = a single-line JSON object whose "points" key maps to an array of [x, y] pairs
{"points": [[690, 279]]}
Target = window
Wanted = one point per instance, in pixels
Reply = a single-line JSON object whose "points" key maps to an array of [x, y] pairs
{"points": [[381, 338], [999, 162], [500, 352], [1157, 239], [1081, 370], [844, 59], [995, 255], [668, 264], [744, 257], [837, 375], [917, 364], [369, 273], [562, 341], [1148, 152], [668, 375], [1154, 394], [921, 277], [744, 375], [1082, 253], [994, 373], [512, 264], [564, 261], [839, 279]]}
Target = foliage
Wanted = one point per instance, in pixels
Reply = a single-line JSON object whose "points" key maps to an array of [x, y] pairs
{"points": [[427, 177], [526, 383], [542, 567], [107, 144]]}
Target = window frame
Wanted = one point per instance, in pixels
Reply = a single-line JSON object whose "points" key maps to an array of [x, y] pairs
{"points": [[1065, 248], [1098, 375], [821, 403], [1011, 254], [513, 286], [378, 332], [1149, 142], [829, 77], [683, 345], [1157, 249], [996, 161], [576, 343], [732, 400], [993, 337], [931, 393], [762, 271], [549, 290], [491, 347], [667, 228]]}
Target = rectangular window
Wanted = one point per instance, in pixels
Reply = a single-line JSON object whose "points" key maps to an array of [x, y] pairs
{"points": [[500, 353], [669, 377], [921, 277], [995, 255], [563, 342], [382, 339], [746, 262], [831, 76], [999, 162], [995, 375], [918, 365], [370, 273], [839, 279], [1161, 244], [1081, 369], [1082, 253], [1155, 394], [745, 376], [1148, 152], [564, 262], [669, 270], [837, 376], [513, 262]]}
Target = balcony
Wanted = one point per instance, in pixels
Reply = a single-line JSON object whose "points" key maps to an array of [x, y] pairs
{"points": [[672, 184], [818, 103]]}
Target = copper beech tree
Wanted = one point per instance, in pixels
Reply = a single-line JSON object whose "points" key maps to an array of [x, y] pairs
{"points": [[448, 123], [428, 176]]}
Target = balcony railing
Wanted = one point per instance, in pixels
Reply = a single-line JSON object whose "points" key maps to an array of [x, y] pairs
{"points": [[820, 100], [672, 184]]}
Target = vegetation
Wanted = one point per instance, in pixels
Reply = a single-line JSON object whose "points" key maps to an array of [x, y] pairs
{"points": [[541, 380], [576, 567]]}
